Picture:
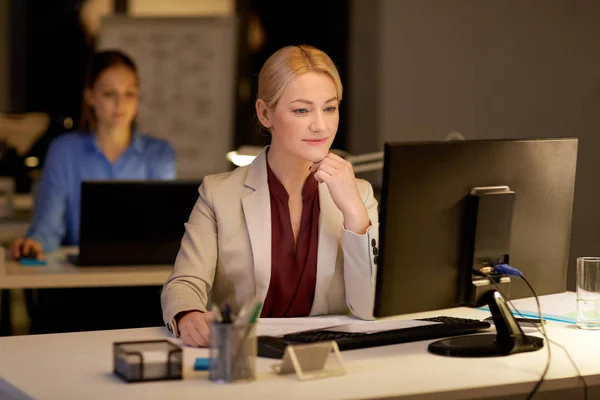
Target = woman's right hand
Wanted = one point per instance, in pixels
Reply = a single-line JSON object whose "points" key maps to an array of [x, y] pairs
{"points": [[194, 328], [23, 246]]}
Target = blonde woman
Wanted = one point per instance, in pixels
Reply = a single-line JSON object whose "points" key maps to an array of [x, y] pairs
{"points": [[294, 228]]}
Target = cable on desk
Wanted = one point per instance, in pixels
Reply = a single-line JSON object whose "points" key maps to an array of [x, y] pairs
{"points": [[585, 388], [508, 270]]}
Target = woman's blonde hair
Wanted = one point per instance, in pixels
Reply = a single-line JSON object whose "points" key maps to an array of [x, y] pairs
{"points": [[290, 62]]}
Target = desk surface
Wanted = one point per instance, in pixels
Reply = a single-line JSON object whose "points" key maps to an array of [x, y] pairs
{"points": [[79, 366], [60, 273]]}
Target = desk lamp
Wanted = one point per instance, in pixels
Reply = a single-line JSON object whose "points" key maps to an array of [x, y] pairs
{"points": [[361, 163]]}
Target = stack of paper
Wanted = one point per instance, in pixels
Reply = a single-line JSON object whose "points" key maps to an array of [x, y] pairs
{"points": [[285, 326], [359, 326], [561, 307]]}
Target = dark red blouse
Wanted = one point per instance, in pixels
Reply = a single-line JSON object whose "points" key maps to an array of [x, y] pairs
{"points": [[293, 266]]}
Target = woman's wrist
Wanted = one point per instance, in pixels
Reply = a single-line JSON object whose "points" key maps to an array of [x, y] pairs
{"points": [[357, 221]]}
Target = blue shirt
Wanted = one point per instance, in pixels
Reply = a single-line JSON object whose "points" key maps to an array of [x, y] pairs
{"points": [[75, 157]]}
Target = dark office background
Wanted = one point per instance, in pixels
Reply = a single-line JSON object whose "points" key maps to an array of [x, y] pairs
{"points": [[412, 69], [49, 52]]}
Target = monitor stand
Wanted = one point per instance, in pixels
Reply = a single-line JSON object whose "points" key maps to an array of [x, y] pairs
{"points": [[509, 338]]}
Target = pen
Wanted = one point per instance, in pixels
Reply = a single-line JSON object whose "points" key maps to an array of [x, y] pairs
{"points": [[249, 312]]}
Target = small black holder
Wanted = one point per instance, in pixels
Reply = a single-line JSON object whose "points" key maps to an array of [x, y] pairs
{"points": [[145, 361], [486, 242]]}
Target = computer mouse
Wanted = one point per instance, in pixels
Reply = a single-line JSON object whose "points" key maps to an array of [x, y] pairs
{"points": [[270, 347], [31, 254], [30, 258]]}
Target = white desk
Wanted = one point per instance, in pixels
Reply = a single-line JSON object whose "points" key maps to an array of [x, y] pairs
{"points": [[79, 366], [60, 273]]}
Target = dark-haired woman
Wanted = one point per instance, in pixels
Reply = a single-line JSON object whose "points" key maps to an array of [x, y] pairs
{"points": [[106, 147]]}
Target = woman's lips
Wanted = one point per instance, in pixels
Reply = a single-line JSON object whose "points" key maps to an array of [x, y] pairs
{"points": [[315, 142]]}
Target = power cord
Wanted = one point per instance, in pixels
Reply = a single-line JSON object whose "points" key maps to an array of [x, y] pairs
{"points": [[579, 375], [508, 270]]}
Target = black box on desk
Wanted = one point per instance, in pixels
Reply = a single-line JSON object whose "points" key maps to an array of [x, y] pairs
{"points": [[149, 360]]}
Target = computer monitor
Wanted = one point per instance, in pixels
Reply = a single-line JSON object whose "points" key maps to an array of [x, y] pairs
{"points": [[133, 222], [422, 221]]}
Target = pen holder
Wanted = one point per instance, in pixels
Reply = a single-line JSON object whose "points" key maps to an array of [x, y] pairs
{"points": [[232, 352]]}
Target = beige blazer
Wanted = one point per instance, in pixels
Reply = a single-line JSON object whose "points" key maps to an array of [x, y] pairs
{"points": [[226, 249]]}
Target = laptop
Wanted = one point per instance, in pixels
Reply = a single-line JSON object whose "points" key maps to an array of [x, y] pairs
{"points": [[133, 222]]}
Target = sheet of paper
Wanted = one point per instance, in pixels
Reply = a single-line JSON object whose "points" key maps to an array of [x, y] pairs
{"points": [[564, 304], [561, 307], [285, 326], [150, 356], [360, 326]]}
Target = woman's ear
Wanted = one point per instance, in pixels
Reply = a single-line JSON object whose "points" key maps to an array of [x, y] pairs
{"points": [[263, 113]]}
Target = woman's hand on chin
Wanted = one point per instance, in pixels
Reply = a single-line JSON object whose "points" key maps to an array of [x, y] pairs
{"points": [[338, 175]]}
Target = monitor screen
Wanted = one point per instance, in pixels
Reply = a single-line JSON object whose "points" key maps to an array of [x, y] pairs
{"points": [[422, 208]]}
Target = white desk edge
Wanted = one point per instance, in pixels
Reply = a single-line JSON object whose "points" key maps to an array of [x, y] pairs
{"points": [[397, 371]]}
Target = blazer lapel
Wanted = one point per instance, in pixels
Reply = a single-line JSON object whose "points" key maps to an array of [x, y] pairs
{"points": [[330, 226], [257, 212]]}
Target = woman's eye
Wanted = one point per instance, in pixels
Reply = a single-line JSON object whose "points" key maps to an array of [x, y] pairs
{"points": [[331, 109], [301, 111]]}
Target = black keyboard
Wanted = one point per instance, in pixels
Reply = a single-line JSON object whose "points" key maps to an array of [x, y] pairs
{"points": [[273, 347]]}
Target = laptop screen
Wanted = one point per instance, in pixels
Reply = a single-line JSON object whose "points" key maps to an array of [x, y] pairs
{"points": [[134, 222]]}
